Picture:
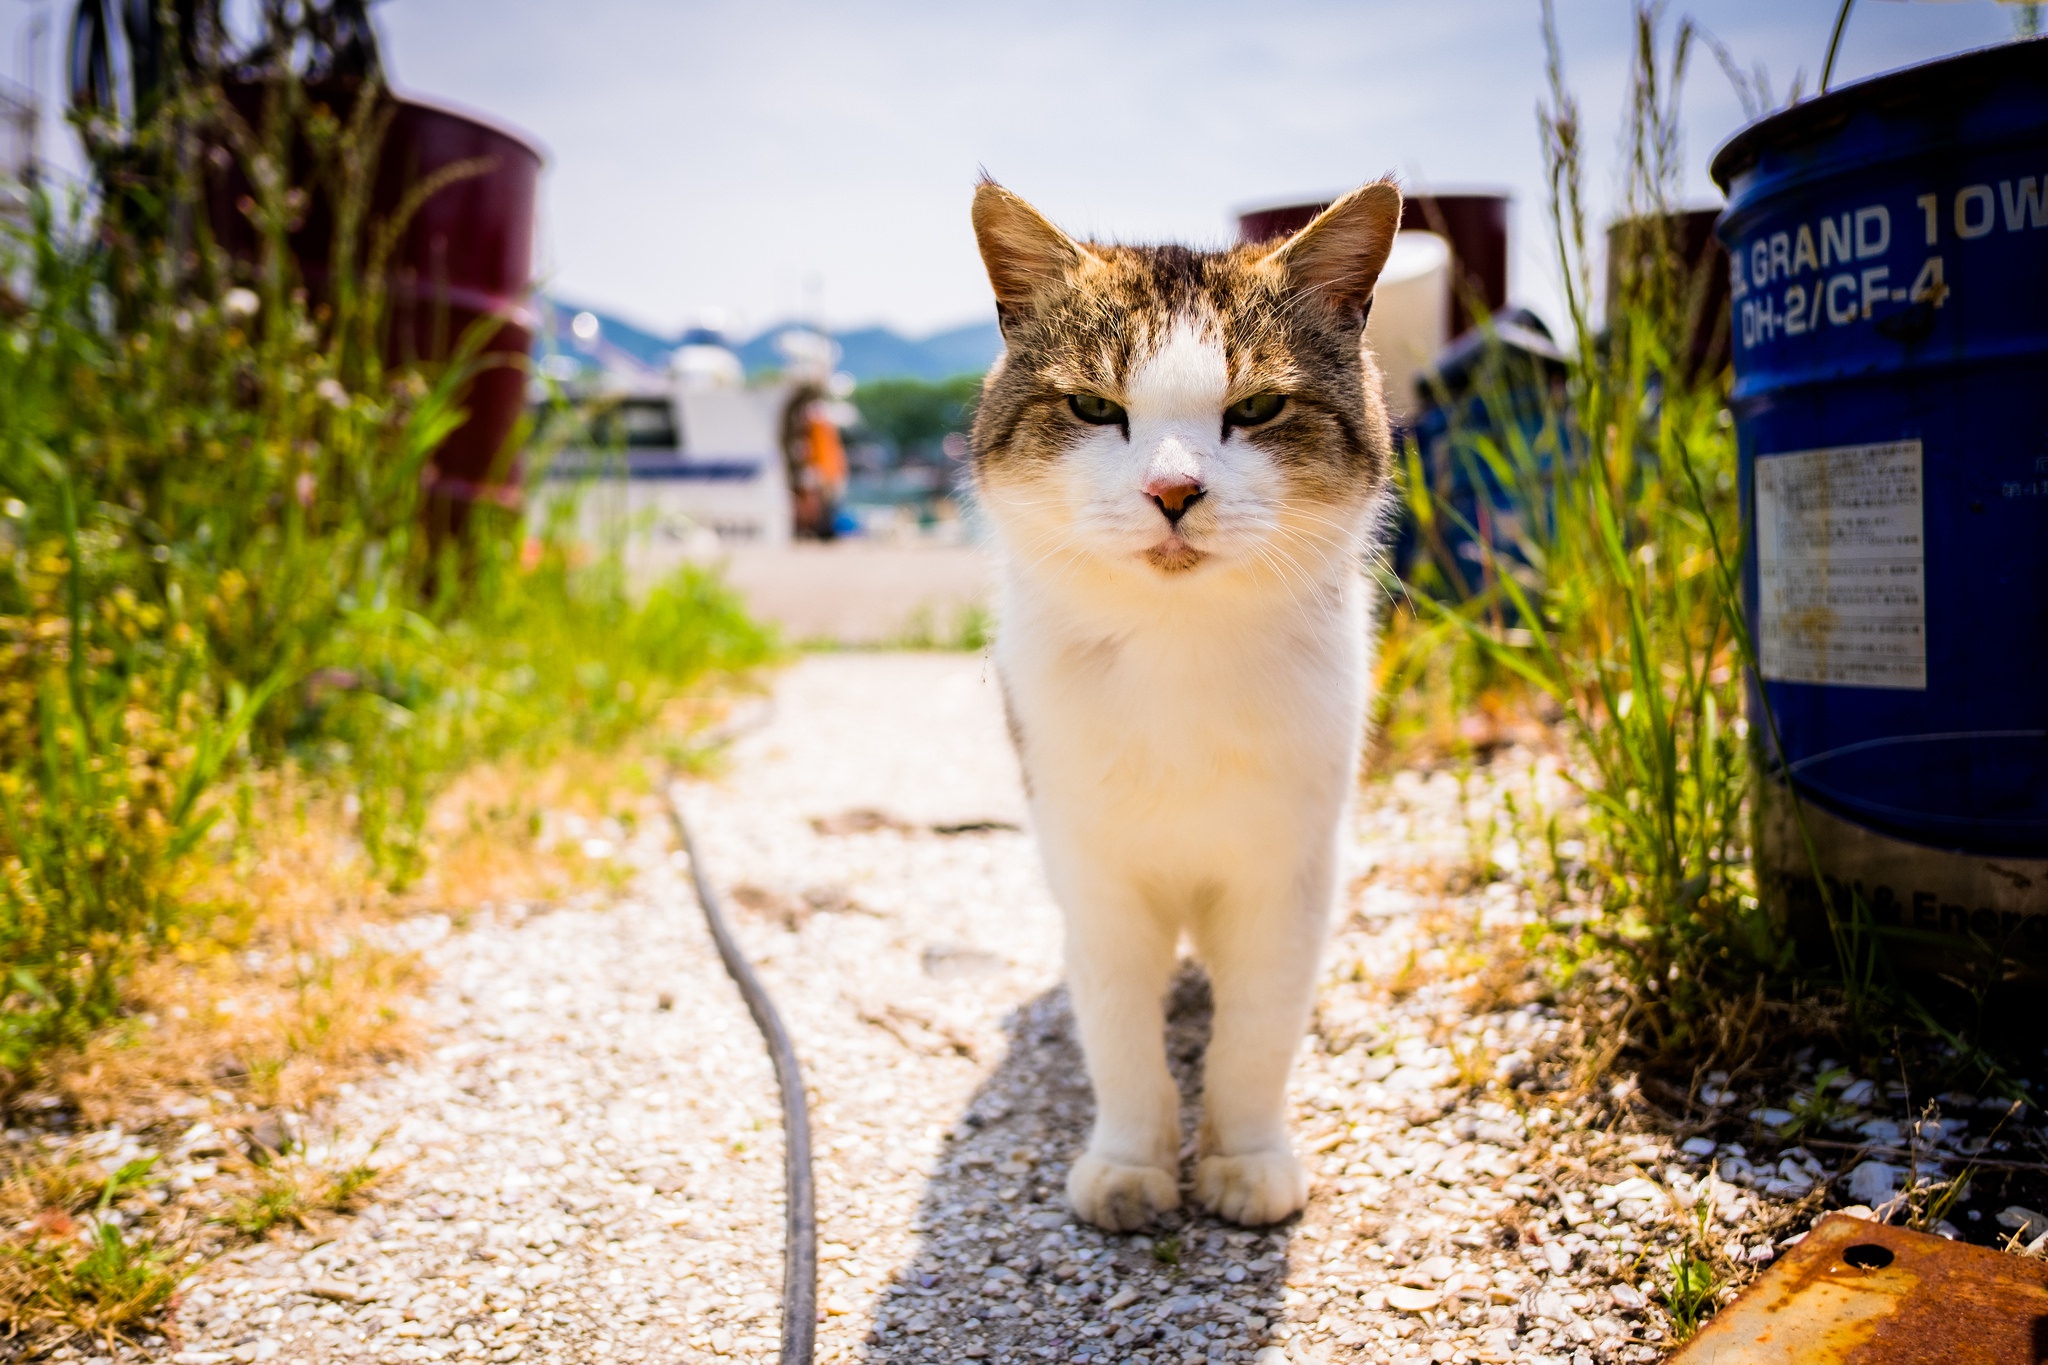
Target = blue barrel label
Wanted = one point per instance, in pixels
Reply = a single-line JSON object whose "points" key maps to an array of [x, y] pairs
{"points": [[1860, 264], [1841, 567]]}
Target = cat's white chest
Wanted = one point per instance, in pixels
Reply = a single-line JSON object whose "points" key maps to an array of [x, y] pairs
{"points": [[1192, 741]]}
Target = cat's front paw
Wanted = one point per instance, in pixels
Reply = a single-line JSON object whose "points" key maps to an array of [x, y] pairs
{"points": [[1254, 1189], [1120, 1198]]}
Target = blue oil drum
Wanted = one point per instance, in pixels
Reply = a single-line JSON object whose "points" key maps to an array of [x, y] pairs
{"points": [[1888, 248]]}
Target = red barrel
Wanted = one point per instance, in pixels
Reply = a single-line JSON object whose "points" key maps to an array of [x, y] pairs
{"points": [[1476, 225], [466, 256]]}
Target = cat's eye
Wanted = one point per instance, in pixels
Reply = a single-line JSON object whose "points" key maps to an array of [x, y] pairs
{"points": [[1255, 410], [1095, 409]]}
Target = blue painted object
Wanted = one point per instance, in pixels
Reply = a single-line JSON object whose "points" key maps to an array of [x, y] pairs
{"points": [[1496, 386], [664, 466], [1889, 260]]}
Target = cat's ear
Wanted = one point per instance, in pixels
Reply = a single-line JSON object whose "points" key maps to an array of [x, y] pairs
{"points": [[1028, 259], [1339, 256]]}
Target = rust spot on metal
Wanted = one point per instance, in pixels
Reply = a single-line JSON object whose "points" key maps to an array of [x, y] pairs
{"points": [[1857, 1293]]}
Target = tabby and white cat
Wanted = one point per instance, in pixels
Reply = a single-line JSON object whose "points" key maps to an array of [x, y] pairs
{"points": [[1186, 460]]}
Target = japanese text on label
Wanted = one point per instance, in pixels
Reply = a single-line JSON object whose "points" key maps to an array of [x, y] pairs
{"points": [[1841, 568]]}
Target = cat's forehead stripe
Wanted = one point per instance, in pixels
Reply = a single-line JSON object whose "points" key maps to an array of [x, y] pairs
{"points": [[1134, 299], [1187, 370]]}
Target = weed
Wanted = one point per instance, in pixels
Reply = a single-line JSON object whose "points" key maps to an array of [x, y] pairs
{"points": [[237, 671], [1166, 1249], [1476, 1065], [1696, 1281], [1929, 1202], [291, 1189], [1605, 511], [129, 1178], [209, 481], [1693, 1293], [274, 1201], [346, 1187], [98, 1284], [1815, 1107], [972, 629], [1408, 977], [214, 563]]}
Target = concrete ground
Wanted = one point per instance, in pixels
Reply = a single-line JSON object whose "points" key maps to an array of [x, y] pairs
{"points": [[857, 592]]}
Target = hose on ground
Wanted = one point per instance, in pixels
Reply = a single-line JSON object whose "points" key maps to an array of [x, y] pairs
{"points": [[800, 1236]]}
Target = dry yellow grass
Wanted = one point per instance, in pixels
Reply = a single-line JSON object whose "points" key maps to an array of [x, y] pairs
{"points": [[1436, 703], [295, 983], [290, 987], [67, 1269], [291, 983], [509, 831]]}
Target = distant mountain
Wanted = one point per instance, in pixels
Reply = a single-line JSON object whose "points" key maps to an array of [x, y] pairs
{"points": [[881, 353], [867, 353], [619, 348], [963, 350], [642, 345]]}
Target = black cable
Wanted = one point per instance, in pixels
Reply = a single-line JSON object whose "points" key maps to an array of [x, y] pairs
{"points": [[800, 1235]]}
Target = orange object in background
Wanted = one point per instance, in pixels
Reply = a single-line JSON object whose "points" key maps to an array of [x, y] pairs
{"points": [[828, 453], [817, 467]]}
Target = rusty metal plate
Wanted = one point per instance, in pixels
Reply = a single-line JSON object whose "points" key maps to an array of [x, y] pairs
{"points": [[1857, 1293]]}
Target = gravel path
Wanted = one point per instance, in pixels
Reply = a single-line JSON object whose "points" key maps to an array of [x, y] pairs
{"points": [[587, 1167]]}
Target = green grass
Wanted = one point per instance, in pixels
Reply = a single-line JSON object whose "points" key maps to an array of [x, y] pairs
{"points": [[1604, 589], [972, 630], [102, 1287], [1605, 600], [213, 561], [1692, 1295], [290, 1193], [68, 1266]]}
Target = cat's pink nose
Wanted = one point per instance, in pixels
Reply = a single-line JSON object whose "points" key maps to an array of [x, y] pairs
{"points": [[1174, 496]]}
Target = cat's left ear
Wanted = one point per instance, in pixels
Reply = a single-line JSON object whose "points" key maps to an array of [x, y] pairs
{"points": [[1339, 256], [1028, 259]]}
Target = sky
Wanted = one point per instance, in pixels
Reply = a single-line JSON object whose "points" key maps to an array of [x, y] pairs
{"points": [[751, 161]]}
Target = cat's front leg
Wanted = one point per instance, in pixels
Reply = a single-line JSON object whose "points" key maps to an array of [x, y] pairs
{"points": [[1261, 953], [1119, 955]]}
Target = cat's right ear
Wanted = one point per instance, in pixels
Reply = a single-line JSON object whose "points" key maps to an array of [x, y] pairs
{"points": [[1338, 257], [1028, 259]]}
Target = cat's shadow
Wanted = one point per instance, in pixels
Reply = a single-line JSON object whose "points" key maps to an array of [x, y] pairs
{"points": [[1003, 1271]]}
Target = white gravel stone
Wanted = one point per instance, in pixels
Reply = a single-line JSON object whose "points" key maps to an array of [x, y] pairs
{"points": [[1873, 1182], [2025, 1222]]}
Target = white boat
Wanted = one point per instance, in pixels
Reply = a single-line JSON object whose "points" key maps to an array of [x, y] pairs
{"points": [[687, 465]]}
